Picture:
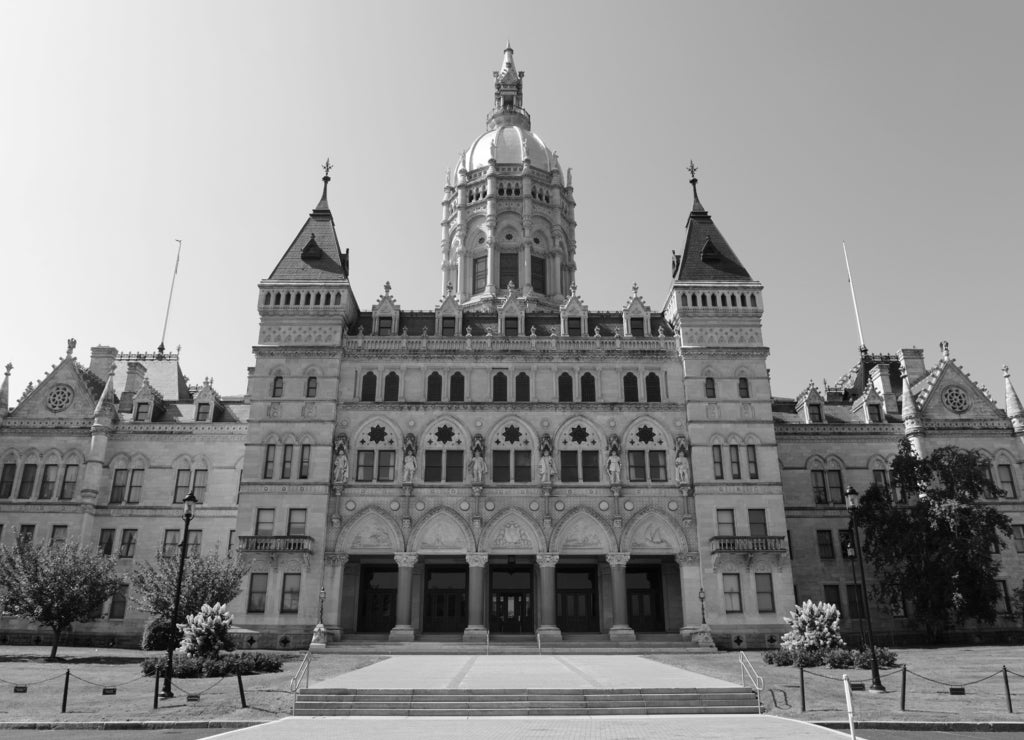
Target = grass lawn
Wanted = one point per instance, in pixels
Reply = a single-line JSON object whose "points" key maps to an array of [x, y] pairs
{"points": [[926, 701], [266, 694]]}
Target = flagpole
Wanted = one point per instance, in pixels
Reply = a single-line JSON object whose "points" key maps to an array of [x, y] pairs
{"points": [[853, 293], [170, 295]]}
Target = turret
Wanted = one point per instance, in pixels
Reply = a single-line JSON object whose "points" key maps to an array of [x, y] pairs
{"points": [[1014, 409]]}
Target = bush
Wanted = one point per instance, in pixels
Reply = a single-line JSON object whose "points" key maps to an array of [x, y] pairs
{"points": [[886, 658], [834, 658], [160, 634], [206, 633], [186, 666], [813, 626]]}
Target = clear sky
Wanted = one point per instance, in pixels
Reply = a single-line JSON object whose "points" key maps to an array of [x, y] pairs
{"points": [[895, 126]]}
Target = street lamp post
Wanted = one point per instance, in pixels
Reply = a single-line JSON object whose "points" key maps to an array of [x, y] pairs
{"points": [[851, 555], [187, 514], [701, 595], [323, 596], [851, 505]]}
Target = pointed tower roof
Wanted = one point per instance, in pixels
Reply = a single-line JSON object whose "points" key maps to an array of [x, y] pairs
{"points": [[707, 256], [1014, 409], [315, 254], [508, 95], [5, 390]]}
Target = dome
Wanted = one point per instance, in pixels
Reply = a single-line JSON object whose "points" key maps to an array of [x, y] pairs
{"points": [[508, 144]]}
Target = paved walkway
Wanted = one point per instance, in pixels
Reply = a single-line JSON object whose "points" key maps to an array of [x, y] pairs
{"points": [[519, 672]]}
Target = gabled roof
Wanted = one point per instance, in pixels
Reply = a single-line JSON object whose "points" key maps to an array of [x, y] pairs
{"points": [[707, 256], [314, 255]]}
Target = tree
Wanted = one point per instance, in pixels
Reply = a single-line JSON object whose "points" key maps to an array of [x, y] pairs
{"points": [[55, 585], [936, 552], [208, 579]]}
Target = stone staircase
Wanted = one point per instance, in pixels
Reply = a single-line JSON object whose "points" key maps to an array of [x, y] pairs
{"points": [[522, 702], [511, 645]]}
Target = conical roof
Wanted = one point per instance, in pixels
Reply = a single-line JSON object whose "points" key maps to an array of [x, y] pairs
{"points": [[315, 254], [707, 256]]}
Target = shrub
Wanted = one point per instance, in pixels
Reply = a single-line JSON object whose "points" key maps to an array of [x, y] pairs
{"points": [[886, 658], [834, 658], [205, 634], [813, 626], [839, 658], [159, 634], [186, 666], [778, 657]]}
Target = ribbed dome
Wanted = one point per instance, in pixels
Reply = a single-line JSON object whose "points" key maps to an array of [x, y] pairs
{"points": [[508, 144]]}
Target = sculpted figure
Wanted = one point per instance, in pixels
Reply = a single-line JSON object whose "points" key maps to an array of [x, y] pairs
{"points": [[546, 468], [614, 468], [408, 467], [682, 468], [477, 467], [341, 467]]}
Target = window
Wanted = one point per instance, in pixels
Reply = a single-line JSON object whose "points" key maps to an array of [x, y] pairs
{"points": [[290, 593], [28, 481], [195, 542], [457, 388], [630, 388], [119, 603], [443, 466], [1005, 473], [391, 387], [744, 387], [368, 392], [7, 480], [826, 548], [264, 523], [49, 482], [709, 388], [881, 478], [818, 485], [67, 488], [257, 593], [231, 541], [311, 386], [384, 326], [734, 461], [874, 412], [127, 549], [119, 485], [765, 592], [447, 326], [383, 461], [1018, 537], [580, 466], [479, 274], [106, 546], [847, 547], [726, 522], [834, 479], [135, 478], [588, 388], [511, 326], [304, 453], [434, 387], [1004, 608], [512, 466], [276, 387], [814, 412], [508, 269], [141, 410], [752, 471], [731, 593], [636, 326], [203, 412], [653, 387], [574, 326], [170, 546], [830, 591], [647, 465], [854, 601], [522, 388], [59, 534], [26, 534], [296, 522], [758, 522], [565, 388], [499, 387], [716, 458], [539, 274]]}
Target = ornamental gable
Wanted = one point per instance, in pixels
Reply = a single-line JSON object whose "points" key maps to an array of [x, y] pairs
{"points": [[68, 392], [951, 394]]}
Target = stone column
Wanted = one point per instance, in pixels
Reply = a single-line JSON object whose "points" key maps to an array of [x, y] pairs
{"points": [[492, 264], [548, 629], [620, 630], [403, 631], [338, 561], [476, 631]]}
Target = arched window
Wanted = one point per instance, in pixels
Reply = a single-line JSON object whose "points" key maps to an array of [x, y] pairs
{"points": [[277, 387], [709, 388], [744, 385], [653, 386], [827, 486], [444, 456], [511, 454], [579, 455], [434, 387], [565, 388], [457, 388], [266, 299], [391, 386], [588, 388], [311, 384], [499, 388], [646, 456], [630, 388], [522, 388], [375, 455], [369, 390]]}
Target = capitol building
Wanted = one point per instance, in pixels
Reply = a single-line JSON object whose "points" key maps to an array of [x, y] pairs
{"points": [[512, 461]]}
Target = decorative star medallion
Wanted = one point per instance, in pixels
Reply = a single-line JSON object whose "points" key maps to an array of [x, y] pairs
{"points": [[579, 434], [512, 434], [445, 434]]}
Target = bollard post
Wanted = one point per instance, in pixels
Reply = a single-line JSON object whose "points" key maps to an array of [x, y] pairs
{"points": [[803, 700], [1006, 684], [241, 690], [64, 698], [156, 689], [903, 691]]}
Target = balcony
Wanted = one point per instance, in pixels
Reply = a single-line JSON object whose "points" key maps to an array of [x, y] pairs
{"points": [[748, 544], [269, 544]]}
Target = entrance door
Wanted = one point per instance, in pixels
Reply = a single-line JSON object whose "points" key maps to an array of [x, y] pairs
{"points": [[576, 599], [512, 599], [377, 596], [444, 609], [643, 596]]}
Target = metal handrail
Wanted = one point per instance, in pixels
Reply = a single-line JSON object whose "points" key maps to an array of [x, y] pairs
{"points": [[487, 639], [302, 672], [747, 671], [538, 643]]}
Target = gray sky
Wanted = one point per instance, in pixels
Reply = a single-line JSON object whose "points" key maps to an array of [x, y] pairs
{"points": [[894, 126]]}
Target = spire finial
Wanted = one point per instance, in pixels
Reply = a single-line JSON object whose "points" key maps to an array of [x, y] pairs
{"points": [[72, 343], [944, 347], [327, 167], [636, 289], [387, 288], [572, 288], [449, 288], [7, 369], [692, 169]]}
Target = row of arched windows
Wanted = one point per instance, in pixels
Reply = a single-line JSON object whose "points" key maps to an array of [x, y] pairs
{"points": [[301, 298], [277, 386], [719, 300], [711, 387]]}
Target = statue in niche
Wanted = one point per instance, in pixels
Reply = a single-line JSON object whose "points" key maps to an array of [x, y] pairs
{"points": [[341, 459], [477, 467], [614, 468], [682, 469], [408, 467], [546, 467]]}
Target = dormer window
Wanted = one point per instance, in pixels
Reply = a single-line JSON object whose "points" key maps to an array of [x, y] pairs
{"points": [[447, 326], [203, 412], [636, 326], [384, 326], [875, 412], [574, 326], [814, 413], [142, 411]]}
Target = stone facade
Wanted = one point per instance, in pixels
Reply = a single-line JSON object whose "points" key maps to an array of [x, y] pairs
{"points": [[510, 462]]}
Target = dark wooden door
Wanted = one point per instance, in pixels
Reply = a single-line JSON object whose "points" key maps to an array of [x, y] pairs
{"points": [[445, 611], [643, 598], [576, 611], [377, 598], [511, 612]]}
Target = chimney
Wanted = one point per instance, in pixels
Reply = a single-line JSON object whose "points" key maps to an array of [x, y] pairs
{"points": [[883, 386], [132, 384], [101, 359], [913, 361]]}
